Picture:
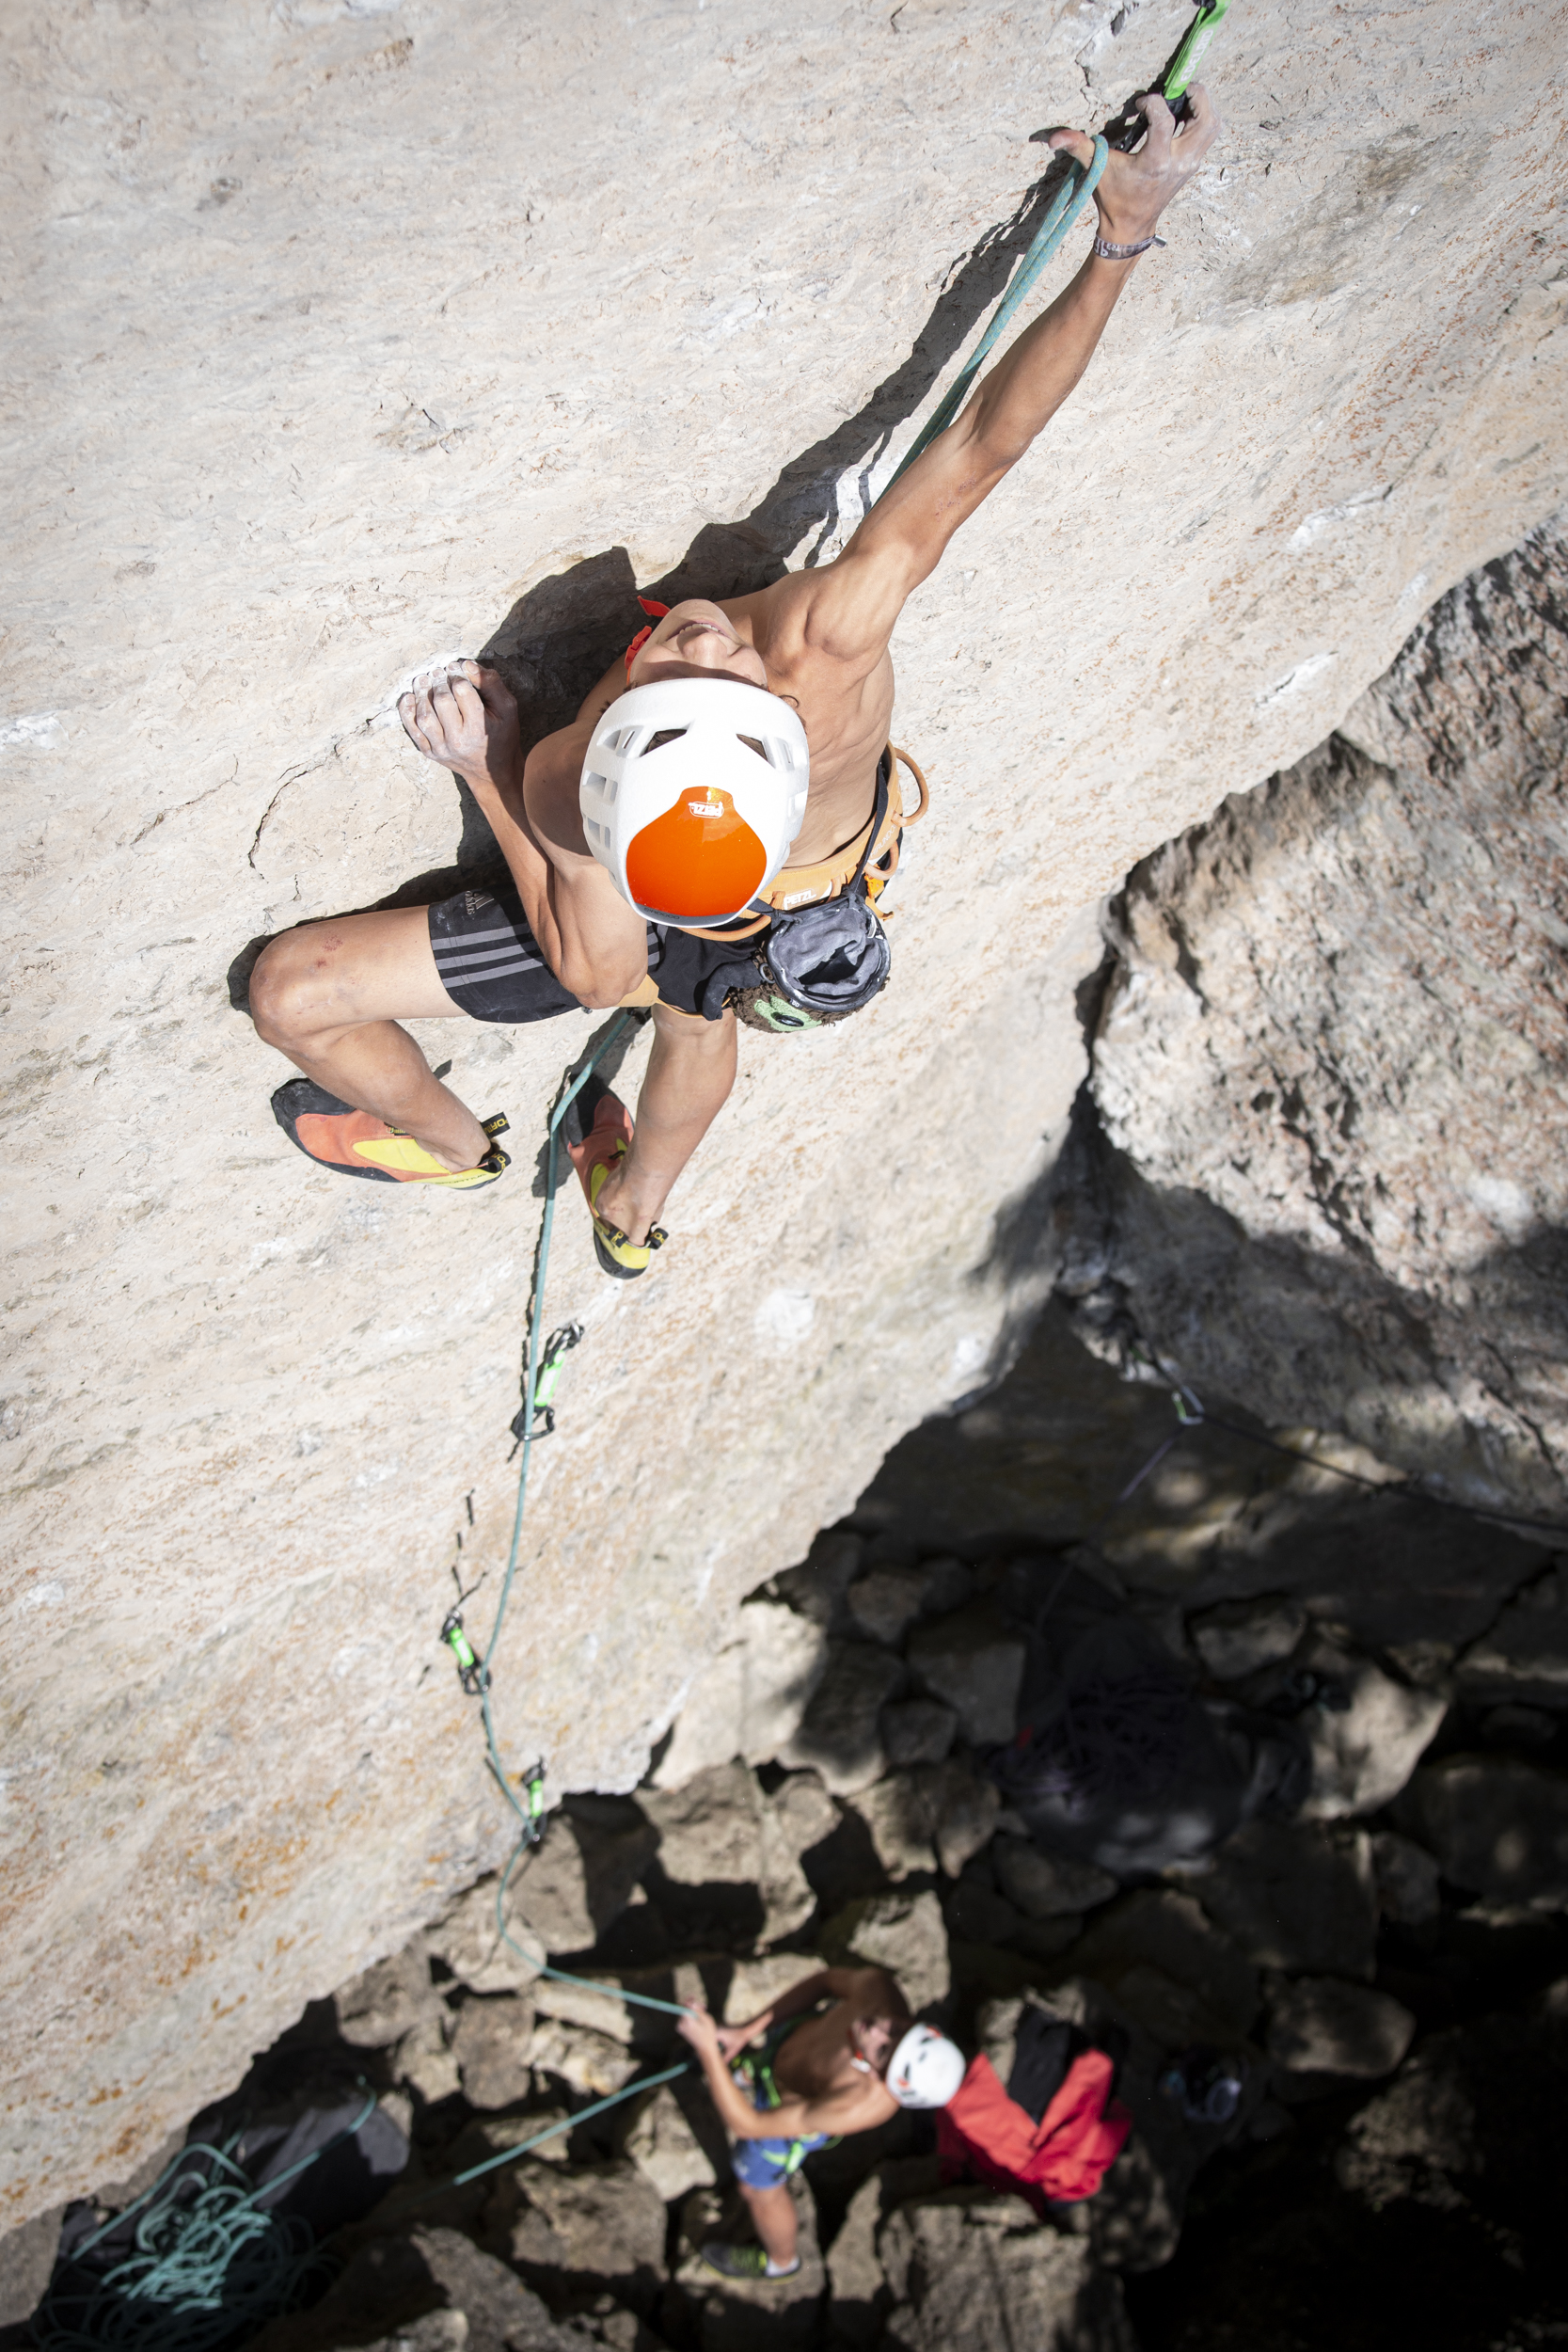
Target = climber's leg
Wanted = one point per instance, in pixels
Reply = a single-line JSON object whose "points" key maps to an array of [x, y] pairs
{"points": [[328, 996], [691, 1071], [772, 2212]]}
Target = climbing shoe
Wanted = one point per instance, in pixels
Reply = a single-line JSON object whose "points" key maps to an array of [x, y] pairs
{"points": [[594, 1151], [743, 2261], [353, 1143]]}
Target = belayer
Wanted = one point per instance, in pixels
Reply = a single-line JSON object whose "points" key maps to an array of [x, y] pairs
{"points": [[839, 2052], [709, 834]]}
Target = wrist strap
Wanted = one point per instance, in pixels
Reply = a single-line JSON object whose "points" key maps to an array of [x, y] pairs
{"points": [[1109, 252]]}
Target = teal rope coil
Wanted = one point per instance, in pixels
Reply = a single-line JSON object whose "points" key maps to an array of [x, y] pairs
{"points": [[206, 2268], [1067, 207]]}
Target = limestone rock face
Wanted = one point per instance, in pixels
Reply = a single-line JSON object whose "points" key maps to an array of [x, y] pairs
{"points": [[354, 335], [1333, 1064]]}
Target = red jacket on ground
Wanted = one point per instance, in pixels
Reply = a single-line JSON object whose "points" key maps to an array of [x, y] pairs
{"points": [[1063, 2158]]}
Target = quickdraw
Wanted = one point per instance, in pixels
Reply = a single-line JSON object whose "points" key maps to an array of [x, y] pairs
{"points": [[542, 1407]]}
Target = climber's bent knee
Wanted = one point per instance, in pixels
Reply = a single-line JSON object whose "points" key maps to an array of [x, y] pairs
{"points": [[341, 974]]}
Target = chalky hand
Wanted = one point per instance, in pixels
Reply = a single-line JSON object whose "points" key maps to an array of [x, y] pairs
{"points": [[466, 719], [1133, 190]]}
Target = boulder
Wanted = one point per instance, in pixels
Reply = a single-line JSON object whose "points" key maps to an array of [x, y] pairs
{"points": [[977, 1914], [387, 2001], [1236, 1637], [756, 1983], [973, 1661], [601, 2225], [885, 1602], [1323, 2025], [665, 2148], [26, 2264], [591, 2063], [583, 1874], [840, 1732], [898, 1819], [468, 1941], [902, 1932], [816, 1589], [1515, 1725], [1368, 1741], [491, 2044], [804, 1811], [1295, 1894], [1159, 1952], [1047, 1886], [962, 1806], [749, 1700], [1523, 1657], [432, 2290], [719, 1830], [857, 2287], [714, 2314], [930, 1815], [917, 1731], [971, 2270], [592, 2001], [423, 2060], [1498, 1827], [1406, 1878], [883, 1605], [503, 2315]]}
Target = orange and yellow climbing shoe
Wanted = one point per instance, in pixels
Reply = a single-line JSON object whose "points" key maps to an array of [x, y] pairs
{"points": [[353, 1143], [594, 1154]]}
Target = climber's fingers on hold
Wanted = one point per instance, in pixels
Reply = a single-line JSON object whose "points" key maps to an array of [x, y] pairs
{"points": [[1199, 127], [492, 690], [1074, 143], [1162, 123], [469, 705], [413, 724]]}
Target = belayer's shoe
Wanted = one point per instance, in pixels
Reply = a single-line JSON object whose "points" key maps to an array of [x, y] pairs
{"points": [[355, 1143], [743, 2261], [593, 1155]]}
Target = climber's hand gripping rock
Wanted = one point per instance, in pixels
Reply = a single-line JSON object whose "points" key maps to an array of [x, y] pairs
{"points": [[1134, 190]]}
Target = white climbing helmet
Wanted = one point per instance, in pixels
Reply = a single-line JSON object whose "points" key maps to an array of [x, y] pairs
{"points": [[693, 793], [926, 2069]]}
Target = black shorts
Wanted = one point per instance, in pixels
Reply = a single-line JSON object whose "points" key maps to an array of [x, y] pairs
{"points": [[493, 967]]}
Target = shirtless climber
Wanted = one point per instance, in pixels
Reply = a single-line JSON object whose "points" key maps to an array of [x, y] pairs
{"points": [[808, 2074], [726, 782]]}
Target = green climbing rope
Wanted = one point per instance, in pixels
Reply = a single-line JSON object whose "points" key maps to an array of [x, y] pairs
{"points": [[477, 1674], [209, 2263], [1066, 208]]}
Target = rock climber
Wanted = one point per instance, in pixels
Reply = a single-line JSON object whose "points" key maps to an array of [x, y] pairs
{"points": [[710, 832], [805, 2073]]}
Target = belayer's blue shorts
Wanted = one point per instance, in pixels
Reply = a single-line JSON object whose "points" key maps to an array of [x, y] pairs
{"points": [[768, 2162]]}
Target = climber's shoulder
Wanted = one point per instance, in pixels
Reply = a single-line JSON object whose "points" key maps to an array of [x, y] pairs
{"points": [[837, 617]]}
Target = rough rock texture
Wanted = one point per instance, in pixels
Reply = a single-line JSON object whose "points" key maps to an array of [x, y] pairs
{"points": [[972, 2270], [348, 334], [1496, 1825], [1525, 1655], [1332, 1065], [1292, 1895], [1321, 2026]]}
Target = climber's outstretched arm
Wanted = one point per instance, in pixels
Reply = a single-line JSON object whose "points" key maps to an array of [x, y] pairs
{"points": [[856, 601]]}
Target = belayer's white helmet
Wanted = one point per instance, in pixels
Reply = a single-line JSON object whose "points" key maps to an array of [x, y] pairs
{"points": [[693, 793], [926, 2069]]}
